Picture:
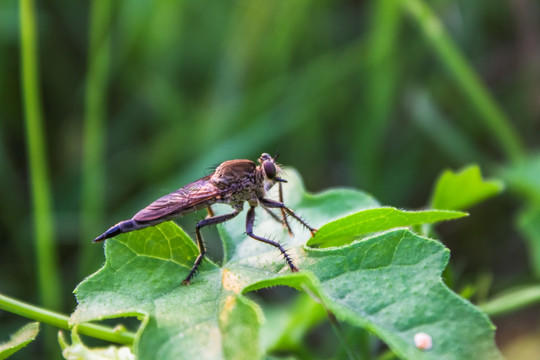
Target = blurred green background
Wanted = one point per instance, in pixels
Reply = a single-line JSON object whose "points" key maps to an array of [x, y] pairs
{"points": [[133, 99]]}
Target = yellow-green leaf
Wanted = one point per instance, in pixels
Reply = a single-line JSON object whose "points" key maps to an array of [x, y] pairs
{"points": [[347, 229], [18, 340], [461, 190]]}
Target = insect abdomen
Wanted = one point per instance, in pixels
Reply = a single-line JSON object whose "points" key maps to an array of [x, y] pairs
{"points": [[121, 227]]}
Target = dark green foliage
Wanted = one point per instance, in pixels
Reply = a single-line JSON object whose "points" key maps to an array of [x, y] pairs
{"points": [[108, 105]]}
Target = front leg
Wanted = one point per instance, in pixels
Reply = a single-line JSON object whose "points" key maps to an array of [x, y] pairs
{"points": [[274, 216], [250, 219], [276, 204], [283, 214]]}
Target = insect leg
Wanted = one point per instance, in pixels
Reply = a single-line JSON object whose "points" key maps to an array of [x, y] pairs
{"points": [[202, 250], [250, 219], [275, 204], [283, 221], [283, 214], [210, 211], [274, 216]]}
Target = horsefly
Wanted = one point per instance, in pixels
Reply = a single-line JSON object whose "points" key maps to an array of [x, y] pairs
{"points": [[233, 182]]}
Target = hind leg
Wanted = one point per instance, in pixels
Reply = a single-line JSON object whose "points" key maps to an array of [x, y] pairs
{"points": [[202, 250]]}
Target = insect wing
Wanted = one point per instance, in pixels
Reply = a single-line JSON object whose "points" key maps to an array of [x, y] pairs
{"points": [[180, 200]]}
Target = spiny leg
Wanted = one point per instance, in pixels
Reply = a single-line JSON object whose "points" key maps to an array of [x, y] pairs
{"points": [[202, 250], [250, 220], [274, 216], [275, 204], [283, 214], [283, 221]]}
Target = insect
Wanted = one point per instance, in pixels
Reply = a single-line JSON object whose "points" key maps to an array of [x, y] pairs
{"points": [[233, 182]]}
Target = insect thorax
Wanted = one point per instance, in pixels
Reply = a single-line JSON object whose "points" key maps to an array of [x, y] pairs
{"points": [[241, 180]]}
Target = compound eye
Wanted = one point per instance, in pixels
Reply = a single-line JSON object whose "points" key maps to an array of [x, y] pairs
{"points": [[269, 169]]}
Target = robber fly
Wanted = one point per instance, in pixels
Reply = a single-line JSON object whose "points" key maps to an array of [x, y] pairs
{"points": [[233, 182]]}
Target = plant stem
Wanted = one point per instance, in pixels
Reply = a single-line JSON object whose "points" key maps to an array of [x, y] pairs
{"points": [[62, 321], [493, 117], [93, 169], [48, 275]]}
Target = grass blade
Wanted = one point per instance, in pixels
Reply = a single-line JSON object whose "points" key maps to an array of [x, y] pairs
{"points": [[48, 274], [93, 171], [493, 117], [380, 85]]}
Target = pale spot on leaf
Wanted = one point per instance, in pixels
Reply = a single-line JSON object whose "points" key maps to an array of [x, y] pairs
{"points": [[423, 341], [231, 282]]}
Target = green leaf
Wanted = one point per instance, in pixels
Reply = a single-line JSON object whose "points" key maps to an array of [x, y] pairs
{"points": [[522, 176], [347, 229], [78, 351], [403, 294], [20, 339], [389, 284], [461, 190]]}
